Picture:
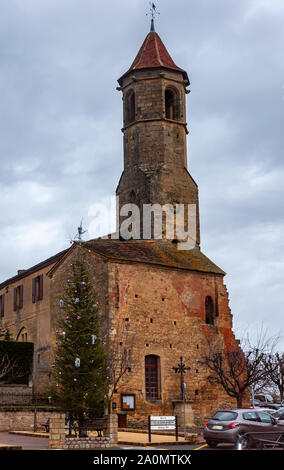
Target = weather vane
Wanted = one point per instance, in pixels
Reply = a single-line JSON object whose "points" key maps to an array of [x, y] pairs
{"points": [[79, 233], [153, 12]]}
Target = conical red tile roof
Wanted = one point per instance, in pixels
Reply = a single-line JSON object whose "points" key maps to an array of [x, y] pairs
{"points": [[153, 54]]}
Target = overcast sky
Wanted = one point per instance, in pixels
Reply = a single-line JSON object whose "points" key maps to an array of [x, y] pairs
{"points": [[61, 140]]}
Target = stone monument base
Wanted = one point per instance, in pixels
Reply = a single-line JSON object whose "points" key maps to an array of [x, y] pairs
{"points": [[179, 409]]}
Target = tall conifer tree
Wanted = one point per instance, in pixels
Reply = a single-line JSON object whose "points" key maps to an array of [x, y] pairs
{"points": [[80, 367]]}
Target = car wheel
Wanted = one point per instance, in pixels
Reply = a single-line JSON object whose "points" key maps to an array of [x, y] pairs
{"points": [[245, 442], [211, 443]]}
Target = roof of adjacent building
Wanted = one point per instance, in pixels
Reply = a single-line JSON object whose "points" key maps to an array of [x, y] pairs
{"points": [[153, 54], [154, 252], [26, 272]]}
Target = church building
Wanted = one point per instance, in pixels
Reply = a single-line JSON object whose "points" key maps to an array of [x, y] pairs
{"points": [[163, 303]]}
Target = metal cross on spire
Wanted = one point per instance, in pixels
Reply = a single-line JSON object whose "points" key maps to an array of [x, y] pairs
{"points": [[153, 12]]}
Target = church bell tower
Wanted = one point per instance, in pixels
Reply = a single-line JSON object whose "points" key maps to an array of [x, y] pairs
{"points": [[155, 132]]}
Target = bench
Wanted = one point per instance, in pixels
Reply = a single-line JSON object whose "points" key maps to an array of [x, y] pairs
{"points": [[45, 425], [96, 424]]}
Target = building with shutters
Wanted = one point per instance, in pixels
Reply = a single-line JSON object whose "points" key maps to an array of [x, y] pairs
{"points": [[172, 302]]}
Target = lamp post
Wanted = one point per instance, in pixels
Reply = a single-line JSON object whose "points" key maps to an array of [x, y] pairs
{"points": [[181, 369]]}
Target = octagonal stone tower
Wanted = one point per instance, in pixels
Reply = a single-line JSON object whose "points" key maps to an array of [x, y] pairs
{"points": [[155, 133]]}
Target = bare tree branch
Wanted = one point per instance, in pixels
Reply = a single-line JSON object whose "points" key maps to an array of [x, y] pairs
{"points": [[236, 369]]}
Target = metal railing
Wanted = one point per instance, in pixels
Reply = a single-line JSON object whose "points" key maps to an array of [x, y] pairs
{"points": [[244, 441]]}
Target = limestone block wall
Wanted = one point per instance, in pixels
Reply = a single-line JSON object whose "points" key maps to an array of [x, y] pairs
{"points": [[23, 420], [164, 311], [57, 431], [59, 440], [73, 443]]}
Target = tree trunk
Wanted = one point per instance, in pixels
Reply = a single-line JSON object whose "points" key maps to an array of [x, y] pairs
{"points": [[240, 401]]}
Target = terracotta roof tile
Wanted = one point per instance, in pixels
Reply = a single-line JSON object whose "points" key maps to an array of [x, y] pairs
{"points": [[152, 54]]}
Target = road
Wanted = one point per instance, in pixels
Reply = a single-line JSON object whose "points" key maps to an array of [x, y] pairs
{"points": [[197, 447], [37, 443], [26, 442]]}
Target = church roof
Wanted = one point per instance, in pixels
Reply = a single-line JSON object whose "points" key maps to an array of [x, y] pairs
{"points": [[153, 54], [153, 252]]}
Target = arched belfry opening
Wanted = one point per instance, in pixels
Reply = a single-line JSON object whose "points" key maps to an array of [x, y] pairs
{"points": [[172, 110]]}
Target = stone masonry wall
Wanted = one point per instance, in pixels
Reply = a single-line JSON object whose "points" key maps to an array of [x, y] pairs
{"points": [[57, 431], [59, 440], [155, 148], [23, 420], [33, 320], [164, 312]]}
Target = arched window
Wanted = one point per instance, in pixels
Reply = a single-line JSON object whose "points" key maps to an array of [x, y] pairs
{"points": [[152, 381], [22, 335], [209, 311], [172, 104], [130, 107]]}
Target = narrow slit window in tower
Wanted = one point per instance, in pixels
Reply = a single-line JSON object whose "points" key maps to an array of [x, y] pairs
{"points": [[130, 107], [209, 311]]}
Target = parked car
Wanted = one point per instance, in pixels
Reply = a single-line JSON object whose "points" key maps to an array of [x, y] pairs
{"points": [[227, 425], [270, 411], [264, 398], [271, 406], [279, 415], [255, 402]]}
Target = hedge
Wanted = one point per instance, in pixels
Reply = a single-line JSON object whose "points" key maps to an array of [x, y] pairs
{"points": [[22, 352]]}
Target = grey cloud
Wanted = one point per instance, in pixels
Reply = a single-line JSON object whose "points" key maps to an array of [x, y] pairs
{"points": [[60, 120]]}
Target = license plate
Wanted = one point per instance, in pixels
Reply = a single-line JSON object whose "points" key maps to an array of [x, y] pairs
{"points": [[217, 427]]}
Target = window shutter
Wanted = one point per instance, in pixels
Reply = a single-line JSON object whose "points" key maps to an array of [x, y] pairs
{"points": [[21, 296], [2, 305], [15, 299], [40, 287], [33, 290]]}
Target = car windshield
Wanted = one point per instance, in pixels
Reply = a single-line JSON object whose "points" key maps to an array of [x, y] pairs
{"points": [[225, 416], [267, 398]]}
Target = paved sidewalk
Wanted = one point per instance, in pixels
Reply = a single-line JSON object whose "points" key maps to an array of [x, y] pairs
{"points": [[128, 438], [40, 441]]}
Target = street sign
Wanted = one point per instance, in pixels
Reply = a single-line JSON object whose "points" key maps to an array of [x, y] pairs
{"points": [[162, 423]]}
